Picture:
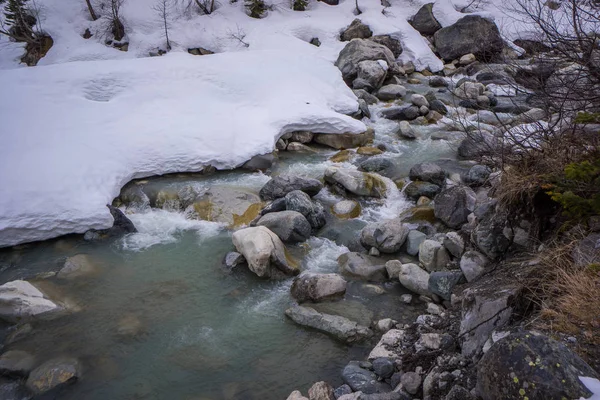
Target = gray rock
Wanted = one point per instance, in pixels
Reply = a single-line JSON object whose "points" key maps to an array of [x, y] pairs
{"points": [[275, 206], [16, 362], [384, 396], [299, 201], [77, 266], [375, 164], [443, 282], [290, 226], [428, 172], [260, 162], [454, 204], [476, 145], [356, 182], [387, 236], [317, 219], [470, 34], [454, 243], [413, 241], [383, 367], [342, 390], [360, 50], [121, 226], [296, 395], [391, 92], [302, 137], [406, 113], [478, 175], [295, 146], [346, 209], [316, 287], [433, 256], [340, 328], [370, 75], [363, 108], [469, 91], [233, 259], [366, 96], [473, 264], [411, 382], [361, 266], [391, 43], [535, 364], [20, 300], [489, 236], [52, 374], [438, 82], [356, 30], [424, 21], [12, 390], [438, 106], [419, 100], [393, 268], [406, 131], [587, 251], [417, 189], [459, 393], [344, 140], [281, 185], [415, 279], [321, 391], [363, 380]]}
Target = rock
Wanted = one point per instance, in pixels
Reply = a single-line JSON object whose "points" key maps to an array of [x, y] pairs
{"points": [[360, 50], [393, 268], [356, 182], [230, 205], [587, 251], [528, 364], [467, 59], [459, 393], [383, 367], [53, 373], [360, 266], [489, 236], [281, 185], [340, 328], [469, 91], [376, 164], [233, 259], [16, 362], [470, 34], [454, 243], [478, 175], [415, 279], [428, 172], [290, 226], [259, 162], [77, 266], [295, 146], [314, 212], [477, 144], [407, 113], [280, 145], [438, 82], [417, 189], [21, 300], [318, 287], [472, 264], [275, 206], [296, 395], [362, 380], [454, 204], [442, 283], [302, 137], [199, 51], [389, 342], [387, 236], [384, 325], [391, 43], [344, 140], [342, 390], [346, 209], [433, 256], [406, 298], [363, 110], [411, 382], [391, 92], [121, 226], [424, 21], [413, 241], [366, 96], [406, 131], [263, 251], [321, 391], [437, 106], [370, 74], [356, 30], [419, 100], [315, 41], [368, 151]]}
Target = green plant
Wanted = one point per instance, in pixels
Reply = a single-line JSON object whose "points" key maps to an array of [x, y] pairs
{"points": [[299, 5], [19, 20], [578, 189], [587, 118], [256, 8]]}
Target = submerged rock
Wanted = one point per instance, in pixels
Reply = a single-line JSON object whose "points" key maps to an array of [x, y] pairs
{"points": [[316, 287], [363, 380], [16, 362], [362, 266], [20, 300], [52, 374], [77, 266], [346, 209], [356, 182], [233, 206]]}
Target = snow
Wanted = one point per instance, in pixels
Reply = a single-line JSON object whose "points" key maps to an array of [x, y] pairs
{"points": [[75, 133], [593, 386]]}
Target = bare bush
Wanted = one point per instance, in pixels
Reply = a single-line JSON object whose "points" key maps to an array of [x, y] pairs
{"points": [[163, 9]]}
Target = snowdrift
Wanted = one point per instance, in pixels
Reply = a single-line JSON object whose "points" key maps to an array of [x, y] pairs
{"points": [[73, 134]]}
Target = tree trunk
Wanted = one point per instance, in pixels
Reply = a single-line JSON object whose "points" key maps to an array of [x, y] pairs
{"points": [[91, 9]]}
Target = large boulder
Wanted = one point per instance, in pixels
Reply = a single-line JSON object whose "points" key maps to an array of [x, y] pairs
{"points": [[472, 265], [405, 113], [470, 34], [433, 256], [417, 189], [370, 75], [363, 380], [356, 182], [77, 266], [386, 236], [424, 21], [391, 43], [281, 185], [315, 287], [443, 282], [264, 252], [52, 374], [233, 206], [356, 30], [428, 172], [313, 211], [290, 226], [454, 204], [528, 364], [489, 236], [391, 92], [360, 50], [415, 279], [362, 266], [20, 300], [344, 140], [340, 328]]}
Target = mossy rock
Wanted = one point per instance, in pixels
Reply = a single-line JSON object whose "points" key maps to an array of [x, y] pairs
{"points": [[346, 209], [368, 151], [341, 156], [420, 213]]}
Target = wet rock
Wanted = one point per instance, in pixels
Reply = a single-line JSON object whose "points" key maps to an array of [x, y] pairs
{"points": [[318, 287], [356, 30], [454, 204], [527, 364], [477, 144], [260, 162], [376, 164], [411, 382], [366, 96], [383, 367], [342, 390], [20, 331], [121, 226], [470, 34], [360, 266], [454, 243], [393, 268], [406, 131], [428, 172], [77, 266], [264, 252], [391, 92], [387, 236], [296, 395], [346, 209], [52, 374], [417, 189], [478, 175], [413, 241], [472, 264], [321, 391], [356, 182], [369, 151], [433, 256], [360, 50], [363, 380], [340, 328], [20, 300], [587, 251], [415, 279], [290, 226], [438, 82], [233, 259], [391, 43], [275, 206], [442, 283], [438, 106], [384, 325], [344, 140], [281, 185], [489, 236], [295, 146], [406, 113], [16, 362], [299, 201], [229, 205]]}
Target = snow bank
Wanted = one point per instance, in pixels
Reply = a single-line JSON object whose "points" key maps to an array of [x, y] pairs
{"points": [[75, 133]]}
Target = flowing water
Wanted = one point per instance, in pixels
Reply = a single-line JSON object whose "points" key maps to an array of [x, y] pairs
{"points": [[160, 317]]}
